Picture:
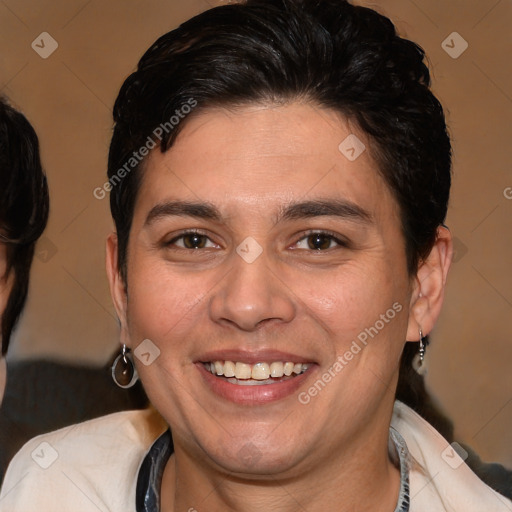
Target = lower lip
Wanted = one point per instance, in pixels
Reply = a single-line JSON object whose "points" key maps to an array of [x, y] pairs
{"points": [[253, 395]]}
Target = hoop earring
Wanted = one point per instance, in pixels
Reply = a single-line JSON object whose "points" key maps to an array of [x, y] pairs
{"points": [[124, 373], [419, 363]]}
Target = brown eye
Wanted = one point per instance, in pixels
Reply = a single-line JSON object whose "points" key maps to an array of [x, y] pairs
{"points": [[191, 240], [319, 241], [194, 241]]}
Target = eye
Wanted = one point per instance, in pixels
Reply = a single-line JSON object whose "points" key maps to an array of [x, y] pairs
{"points": [[192, 240], [319, 241]]}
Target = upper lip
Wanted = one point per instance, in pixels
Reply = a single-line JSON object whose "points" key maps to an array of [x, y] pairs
{"points": [[252, 356]]}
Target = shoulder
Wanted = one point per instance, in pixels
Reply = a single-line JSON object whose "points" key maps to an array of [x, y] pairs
{"points": [[95, 462], [439, 477]]}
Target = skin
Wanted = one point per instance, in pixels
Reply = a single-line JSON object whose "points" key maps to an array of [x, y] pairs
{"points": [[251, 163]]}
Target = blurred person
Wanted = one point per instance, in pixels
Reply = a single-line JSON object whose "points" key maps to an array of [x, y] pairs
{"points": [[36, 396], [280, 174], [24, 207]]}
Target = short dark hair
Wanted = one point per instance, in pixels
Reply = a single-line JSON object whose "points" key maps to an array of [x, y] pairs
{"points": [[24, 207], [328, 52]]}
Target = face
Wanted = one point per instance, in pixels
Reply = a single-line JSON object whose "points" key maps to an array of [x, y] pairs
{"points": [[258, 246]]}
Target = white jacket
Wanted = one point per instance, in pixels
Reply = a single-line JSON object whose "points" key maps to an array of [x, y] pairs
{"points": [[93, 466]]}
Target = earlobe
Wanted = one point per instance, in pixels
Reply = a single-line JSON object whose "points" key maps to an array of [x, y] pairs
{"points": [[430, 281], [117, 286]]}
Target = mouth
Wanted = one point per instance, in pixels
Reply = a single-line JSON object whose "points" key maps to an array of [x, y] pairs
{"points": [[252, 379], [259, 374]]}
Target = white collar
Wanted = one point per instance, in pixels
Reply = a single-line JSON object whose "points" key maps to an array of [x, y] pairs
{"points": [[439, 478]]}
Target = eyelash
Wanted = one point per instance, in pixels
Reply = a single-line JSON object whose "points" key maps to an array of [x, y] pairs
{"points": [[183, 234], [328, 234]]}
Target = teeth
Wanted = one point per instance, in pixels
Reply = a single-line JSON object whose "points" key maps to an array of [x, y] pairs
{"points": [[257, 372], [243, 371], [219, 368], [261, 371], [229, 369], [276, 370], [288, 368]]}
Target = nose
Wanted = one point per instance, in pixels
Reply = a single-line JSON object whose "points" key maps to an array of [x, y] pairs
{"points": [[252, 295]]}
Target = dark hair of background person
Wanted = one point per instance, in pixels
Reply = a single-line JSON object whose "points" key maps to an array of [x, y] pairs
{"points": [[24, 207], [328, 53], [40, 395]]}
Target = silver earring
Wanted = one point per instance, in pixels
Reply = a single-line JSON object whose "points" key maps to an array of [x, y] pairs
{"points": [[422, 349], [124, 373], [418, 363]]}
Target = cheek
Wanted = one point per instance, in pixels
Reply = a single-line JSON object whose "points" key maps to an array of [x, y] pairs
{"points": [[364, 318], [348, 300], [161, 306]]}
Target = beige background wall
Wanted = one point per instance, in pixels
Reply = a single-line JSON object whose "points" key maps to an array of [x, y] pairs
{"points": [[68, 98]]}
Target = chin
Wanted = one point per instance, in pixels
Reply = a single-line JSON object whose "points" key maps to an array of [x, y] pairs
{"points": [[260, 460]]}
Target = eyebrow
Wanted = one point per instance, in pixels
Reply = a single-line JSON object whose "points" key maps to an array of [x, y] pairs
{"points": [[183, 209], [326, 208], [294, 211]]}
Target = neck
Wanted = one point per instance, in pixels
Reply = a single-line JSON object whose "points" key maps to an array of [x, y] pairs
{"points": [[360, 477]]}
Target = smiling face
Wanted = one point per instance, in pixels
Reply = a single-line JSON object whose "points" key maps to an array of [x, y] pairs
{"points": [[255, 240]]}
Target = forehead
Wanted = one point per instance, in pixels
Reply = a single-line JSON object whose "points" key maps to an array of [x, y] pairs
{"points": [[260, 157]]}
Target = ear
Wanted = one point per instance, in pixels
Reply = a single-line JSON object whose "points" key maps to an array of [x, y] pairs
{"points": [[117, 287], [429, 284]]}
